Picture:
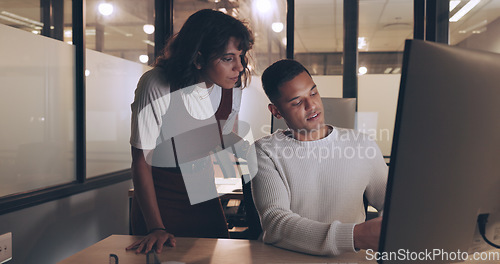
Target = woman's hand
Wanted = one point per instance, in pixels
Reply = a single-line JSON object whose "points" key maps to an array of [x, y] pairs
{"points": [[155, 239]]}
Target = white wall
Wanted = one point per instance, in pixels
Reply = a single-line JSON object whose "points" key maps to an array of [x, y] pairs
{"points": [[377, 103]]}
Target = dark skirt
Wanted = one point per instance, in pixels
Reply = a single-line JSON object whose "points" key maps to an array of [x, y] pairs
{"points": [[180, 218]]}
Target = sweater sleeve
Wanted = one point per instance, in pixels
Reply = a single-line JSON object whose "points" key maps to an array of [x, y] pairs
{"points": [[284, 228]]}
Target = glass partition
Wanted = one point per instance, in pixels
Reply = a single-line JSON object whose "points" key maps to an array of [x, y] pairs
{"points": [[120, 46], [121, 28], [37, 135], [111, 82], [383, 28], [319, 32]]}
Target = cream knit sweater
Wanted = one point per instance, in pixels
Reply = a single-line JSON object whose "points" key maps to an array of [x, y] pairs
{"points": [[309, 194]]}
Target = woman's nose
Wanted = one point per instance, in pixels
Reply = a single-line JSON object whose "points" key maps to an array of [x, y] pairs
{"points": [[239, 66]]}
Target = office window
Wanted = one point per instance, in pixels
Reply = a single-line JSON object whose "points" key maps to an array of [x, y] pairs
{"points": [[268, 22], [46, 18], [121, 28], [120, 46], [475, 25], [383, 28], [319, 35], [37, 102]]}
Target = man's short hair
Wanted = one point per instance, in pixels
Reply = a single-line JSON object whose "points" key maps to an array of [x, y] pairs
{"points": [[278, 73]]}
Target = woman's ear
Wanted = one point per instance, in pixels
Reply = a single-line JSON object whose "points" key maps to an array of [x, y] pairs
{"points": [[198, 62], [274, 110]]}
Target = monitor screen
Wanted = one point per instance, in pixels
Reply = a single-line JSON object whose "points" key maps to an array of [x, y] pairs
{"points": [[445, 158]]}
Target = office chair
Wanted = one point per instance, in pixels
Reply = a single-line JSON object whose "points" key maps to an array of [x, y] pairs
{"points": [[251, 215]]}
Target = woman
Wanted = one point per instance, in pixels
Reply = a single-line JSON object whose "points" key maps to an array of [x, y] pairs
{"points": [[183, 108]]}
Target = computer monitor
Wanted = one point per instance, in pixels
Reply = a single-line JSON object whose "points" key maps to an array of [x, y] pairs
{"points": [[445, 159]]}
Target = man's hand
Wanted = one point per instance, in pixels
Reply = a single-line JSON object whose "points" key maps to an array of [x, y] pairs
{"points": [[156, 239], [366, 235]]}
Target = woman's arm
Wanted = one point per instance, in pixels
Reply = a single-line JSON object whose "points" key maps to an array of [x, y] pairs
{"points": [[144, 192]]}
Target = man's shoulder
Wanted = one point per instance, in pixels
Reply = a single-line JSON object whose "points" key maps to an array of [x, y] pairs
{"points": [[352, 135], [270, 140]]}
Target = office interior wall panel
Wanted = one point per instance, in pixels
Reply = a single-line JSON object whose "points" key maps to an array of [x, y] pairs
{"points": [[50, 232]]}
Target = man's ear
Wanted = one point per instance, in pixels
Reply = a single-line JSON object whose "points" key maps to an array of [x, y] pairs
{"points": [[274, 110], [198, 62]]}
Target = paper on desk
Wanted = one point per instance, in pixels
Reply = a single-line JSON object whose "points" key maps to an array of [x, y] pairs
{"points": [[227, 185]]}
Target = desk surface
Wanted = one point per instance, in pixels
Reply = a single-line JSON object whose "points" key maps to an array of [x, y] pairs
{"points": [[205, 251]]}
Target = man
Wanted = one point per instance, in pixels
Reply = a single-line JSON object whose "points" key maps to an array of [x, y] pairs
{"points": [[310, 179]]}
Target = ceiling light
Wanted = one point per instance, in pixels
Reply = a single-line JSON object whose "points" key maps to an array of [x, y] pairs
{"points": [[361, 43], [87, 73], [18, 22], [68, 33], [105, 9], [388, 70], [283, 40], [362, 70], [149, 42], [223, 10], [473, 27], [397, 70], [277, 27], [90, 32], [263, 6], [479, 31], [148, 29], [464, 10], [21, 18], [453, 4], [144, 58]]}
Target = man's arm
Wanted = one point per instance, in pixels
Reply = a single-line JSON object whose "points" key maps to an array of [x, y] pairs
{"points": [[367, 234], [286, 229], [375, 191]]}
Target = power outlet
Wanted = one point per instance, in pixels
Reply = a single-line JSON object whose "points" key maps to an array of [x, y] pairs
{"points": [[5, 247]]}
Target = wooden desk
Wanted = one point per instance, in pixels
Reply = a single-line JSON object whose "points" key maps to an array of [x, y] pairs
{"points": [[205, 251]]}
